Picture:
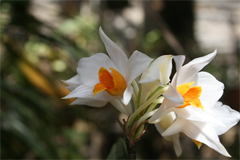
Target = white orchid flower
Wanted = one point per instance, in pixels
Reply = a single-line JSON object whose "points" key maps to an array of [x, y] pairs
{"points": [[190, 89], [192, 95], [103, 79]]}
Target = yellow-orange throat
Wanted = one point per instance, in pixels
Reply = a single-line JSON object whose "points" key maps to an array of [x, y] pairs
{"points": [[114, 83], [190, 95]]}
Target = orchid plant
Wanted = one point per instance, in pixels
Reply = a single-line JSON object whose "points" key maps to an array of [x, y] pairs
{"points": [[188, 103]]}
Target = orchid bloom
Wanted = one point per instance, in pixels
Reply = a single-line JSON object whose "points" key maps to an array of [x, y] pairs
{"points": [[193, 96], [103, 79]]}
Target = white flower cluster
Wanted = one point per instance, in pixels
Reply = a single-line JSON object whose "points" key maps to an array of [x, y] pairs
{"points": [[188, 103]]}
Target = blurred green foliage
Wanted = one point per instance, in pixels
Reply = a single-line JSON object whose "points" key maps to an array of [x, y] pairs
{"points": [[33, 122], [119, 150]]}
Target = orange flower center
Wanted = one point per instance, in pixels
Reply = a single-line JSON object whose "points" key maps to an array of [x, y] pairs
{"points": [[113, 83], [190, 95]]}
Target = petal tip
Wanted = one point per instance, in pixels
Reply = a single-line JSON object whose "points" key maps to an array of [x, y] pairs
{"points": [[101, 33], [66, 97], [100, 29], [124, 101], [214, 53]]}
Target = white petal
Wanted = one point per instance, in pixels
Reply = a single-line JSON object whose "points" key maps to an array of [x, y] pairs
{"points": [[73, 82], [173, 95], [196, 114], [228, 116], [176, 144], [160, 130], [88, 68], [165, 66], [86, 92], [212, 89], [127, 95], [173, 138], [199, 131], [192, 68], [137, 63], [116, 53], [166, 107], [206, 134], [179, 62], [189, 113], [163, 125], [151, 74], [89, 102], [119, 106], [128, 108], [165, 122], [175, 128]]}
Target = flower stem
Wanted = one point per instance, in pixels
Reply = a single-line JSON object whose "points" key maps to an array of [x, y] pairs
{"points": [[135, 87], [134, 98], [139, 130], [131, 150], [146, 116], [129, 140], [151, 107], [145, 104]]}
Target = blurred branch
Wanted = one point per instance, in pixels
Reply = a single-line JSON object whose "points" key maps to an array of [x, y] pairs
{"points": [[168, 35]]}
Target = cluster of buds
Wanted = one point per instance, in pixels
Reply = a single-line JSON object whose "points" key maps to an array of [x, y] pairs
{"points": [[187, 103]]}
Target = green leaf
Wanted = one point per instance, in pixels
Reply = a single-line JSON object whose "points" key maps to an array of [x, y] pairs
{"points": [[139, 97], [119, 150]]}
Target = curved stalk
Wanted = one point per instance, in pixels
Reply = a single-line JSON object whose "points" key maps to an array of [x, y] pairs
{"points": [[151, 107], [134, 98], [145, 104], [135, 87], [146, 116]]}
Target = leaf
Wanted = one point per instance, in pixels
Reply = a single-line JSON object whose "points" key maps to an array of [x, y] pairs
{"points": [[36, 78], [119, 150]]}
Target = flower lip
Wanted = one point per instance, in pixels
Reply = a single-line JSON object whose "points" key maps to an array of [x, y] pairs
{"points": [[105, 78], [114, 83], [190, 95]]}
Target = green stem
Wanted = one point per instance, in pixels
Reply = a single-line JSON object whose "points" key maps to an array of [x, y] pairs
{"points": [[151, 107], [159, 100], [145, 104], [139, 130], [135, 87], [138, 98], [146, 116], [134, 100]]}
